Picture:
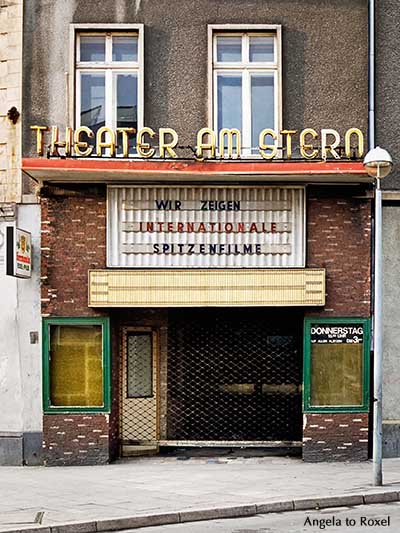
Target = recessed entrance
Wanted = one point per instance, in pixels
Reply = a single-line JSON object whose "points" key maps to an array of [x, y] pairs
{"points": [[234, 375], [215, 375]]}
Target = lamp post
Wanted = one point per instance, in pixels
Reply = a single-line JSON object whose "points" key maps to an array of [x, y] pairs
{"points": [[378, 165]]}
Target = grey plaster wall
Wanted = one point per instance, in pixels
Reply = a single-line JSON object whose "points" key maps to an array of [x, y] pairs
{"points": [[391, 332], [324, 57], [387, 84]]}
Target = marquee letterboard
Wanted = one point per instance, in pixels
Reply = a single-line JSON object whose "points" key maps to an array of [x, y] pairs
{"points": [[205, 227]]}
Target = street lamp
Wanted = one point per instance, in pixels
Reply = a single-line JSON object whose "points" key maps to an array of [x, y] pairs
{"points": [[378, 165]]}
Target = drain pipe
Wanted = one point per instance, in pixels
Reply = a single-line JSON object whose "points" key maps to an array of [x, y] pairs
{"points": [[371, 74]]}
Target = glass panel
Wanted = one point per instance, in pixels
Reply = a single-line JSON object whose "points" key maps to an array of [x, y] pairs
{"points": [[93, 100], [93, 48], [336, 374], [125, 48], [261, 49], [139, 366], [229, 49], [262, 107], [229, 89], [76, 366], [126, 107]]}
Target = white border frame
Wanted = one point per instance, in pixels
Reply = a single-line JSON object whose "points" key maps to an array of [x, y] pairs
{"points": [[108, 28], [219, 186], [276, 29]]}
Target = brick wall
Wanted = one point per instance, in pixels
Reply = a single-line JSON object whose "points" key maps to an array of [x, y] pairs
{"points": [[335, 437], [75, 439], [73, 241], [339, 239]]}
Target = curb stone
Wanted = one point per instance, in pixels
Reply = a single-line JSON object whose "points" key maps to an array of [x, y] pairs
{"points": [[196, 515]]}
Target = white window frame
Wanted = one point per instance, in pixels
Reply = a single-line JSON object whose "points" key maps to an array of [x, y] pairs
{"points": [[246, 69], [109, 67]]}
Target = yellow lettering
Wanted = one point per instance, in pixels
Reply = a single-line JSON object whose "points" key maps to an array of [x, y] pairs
{"points": [[82, 148], [164, 146], [288, 134], [329, 148], [39, 138], [144, 149], [305, 148], [100, 144], [347, 142], [56, 144], [263, 146], [125, 139], [201, 145], [229, 134]]}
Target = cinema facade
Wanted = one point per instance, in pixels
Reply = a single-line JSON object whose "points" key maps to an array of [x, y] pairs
{"points": [[206, 280]]}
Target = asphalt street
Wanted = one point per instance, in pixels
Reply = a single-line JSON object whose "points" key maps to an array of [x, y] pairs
{"points": [[379, 518]]}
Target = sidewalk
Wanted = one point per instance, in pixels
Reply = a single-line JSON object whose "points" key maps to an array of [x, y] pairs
{"points": [[157, 485]]}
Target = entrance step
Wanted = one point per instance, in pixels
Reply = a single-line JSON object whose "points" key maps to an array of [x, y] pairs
{"points": [[133, 450]]}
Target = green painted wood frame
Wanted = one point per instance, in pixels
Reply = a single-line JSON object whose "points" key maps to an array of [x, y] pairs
{"points": [[104, 322], [307, 407]]}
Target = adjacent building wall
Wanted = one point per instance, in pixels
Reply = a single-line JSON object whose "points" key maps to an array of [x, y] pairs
{"points": [[387, 136], [10, 96], [20, 354]]}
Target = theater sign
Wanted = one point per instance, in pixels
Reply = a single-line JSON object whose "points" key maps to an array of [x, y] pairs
{"points": [[205, 227], [227, 143]]}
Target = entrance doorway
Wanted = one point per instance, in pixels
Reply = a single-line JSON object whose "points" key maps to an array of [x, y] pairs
{"points": [[139, 397], [215, 375], [234, 375]]}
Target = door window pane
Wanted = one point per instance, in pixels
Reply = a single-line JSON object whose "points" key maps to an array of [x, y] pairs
{"points": [[262, 106], [261, 49], [139, 366], [229, 49], [336, 374], [76, 369], [125, 48], [93, 100], [229, 88], [92, 48]]}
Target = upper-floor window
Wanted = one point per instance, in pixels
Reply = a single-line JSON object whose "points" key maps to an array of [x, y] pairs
{"points": [[109, 82], [246, 83]]}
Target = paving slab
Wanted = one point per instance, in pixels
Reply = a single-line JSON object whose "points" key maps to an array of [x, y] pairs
{"points": [[157, 486]]}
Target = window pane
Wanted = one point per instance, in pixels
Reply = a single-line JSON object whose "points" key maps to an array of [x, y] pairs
{"points": [[229, 49], [261, 49], [229, 89], [139, 366], [125, 48], [126, 107], [93, 48], [93, 100], [262, 106], [126, 101], [336, 374], [76, 366]]}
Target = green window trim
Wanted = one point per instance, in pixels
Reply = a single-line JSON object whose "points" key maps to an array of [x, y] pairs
{"points": [[362, 408], [104, 322]]}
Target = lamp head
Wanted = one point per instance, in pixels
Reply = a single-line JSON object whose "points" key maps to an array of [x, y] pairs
{"points": [[378, 163]]}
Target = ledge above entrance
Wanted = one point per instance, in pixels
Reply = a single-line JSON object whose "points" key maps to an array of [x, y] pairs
{"points": [[241, 170], [207, 288]]}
